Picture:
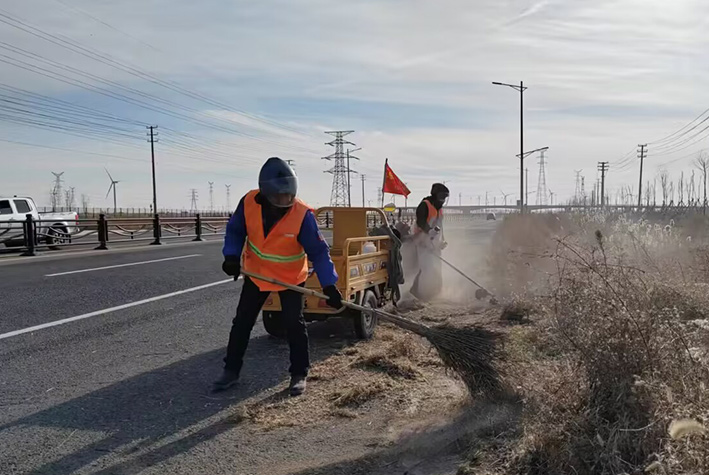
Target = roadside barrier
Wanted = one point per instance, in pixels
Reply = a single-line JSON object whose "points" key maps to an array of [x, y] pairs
{"points": [[32, 234]]}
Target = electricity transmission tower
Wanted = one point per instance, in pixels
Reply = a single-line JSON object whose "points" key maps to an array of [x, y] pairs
{"points": [[340, 190], [211, 195], [583, 190], [69, 198], [577, 191], [228, 197], [57, 190], [542, 181], [193, 204]]}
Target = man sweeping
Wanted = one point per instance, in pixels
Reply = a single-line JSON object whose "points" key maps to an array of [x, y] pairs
{"points": [[429, 241], [277, 233]]}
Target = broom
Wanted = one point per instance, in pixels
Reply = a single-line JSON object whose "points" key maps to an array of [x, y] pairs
{"points": [[469, 351]]}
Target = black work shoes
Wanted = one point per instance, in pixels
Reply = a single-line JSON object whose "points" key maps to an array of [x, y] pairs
{"points": [[297, 385], [225, 381]]}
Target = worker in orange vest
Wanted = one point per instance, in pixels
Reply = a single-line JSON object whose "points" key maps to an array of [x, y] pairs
{"points": [[429, 240], [273, 234]]}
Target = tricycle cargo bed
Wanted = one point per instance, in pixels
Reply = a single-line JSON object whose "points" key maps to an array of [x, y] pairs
{"points": [[361, 261]]}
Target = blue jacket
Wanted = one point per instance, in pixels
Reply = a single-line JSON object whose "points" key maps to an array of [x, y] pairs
{"points": [[309, 237]]}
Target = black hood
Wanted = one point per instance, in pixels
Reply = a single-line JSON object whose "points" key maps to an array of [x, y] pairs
{"points": [[439, 188]]}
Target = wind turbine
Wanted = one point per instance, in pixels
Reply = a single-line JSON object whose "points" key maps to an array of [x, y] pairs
{"points": [[113, 185], [504, 196]]}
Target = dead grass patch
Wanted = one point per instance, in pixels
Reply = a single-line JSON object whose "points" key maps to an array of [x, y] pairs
{"points": [[611, 359], [360, 394], [395, 368], [380, 376], [516, 311]]}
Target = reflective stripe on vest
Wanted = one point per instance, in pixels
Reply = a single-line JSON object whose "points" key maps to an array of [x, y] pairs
{"points": [[273, 257], [434, 216], [277, 255]]}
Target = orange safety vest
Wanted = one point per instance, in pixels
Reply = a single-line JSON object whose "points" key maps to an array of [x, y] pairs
{"points": [[278, 255], [435, 216]]}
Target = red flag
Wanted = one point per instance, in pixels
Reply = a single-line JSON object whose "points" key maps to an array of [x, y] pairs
{"points": [[392, 184]]}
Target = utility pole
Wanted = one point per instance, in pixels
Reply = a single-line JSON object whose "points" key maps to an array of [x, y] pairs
{"points": [[526, 186], [228, 198], [643, 149], [364, 178], [194, 196], [340, 185], [460, 199], [153, 138], [211, 195], [603, 168], [350, 171]]}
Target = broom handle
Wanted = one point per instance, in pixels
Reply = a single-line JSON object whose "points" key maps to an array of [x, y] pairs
{"points": [[389, 317], [463, 274]]}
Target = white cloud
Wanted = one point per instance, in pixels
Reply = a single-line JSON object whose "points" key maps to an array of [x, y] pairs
{"points": [[603, 76]]}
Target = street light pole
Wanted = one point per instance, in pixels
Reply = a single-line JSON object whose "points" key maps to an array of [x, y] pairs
{"points": [[521, 88], [521, 140]]}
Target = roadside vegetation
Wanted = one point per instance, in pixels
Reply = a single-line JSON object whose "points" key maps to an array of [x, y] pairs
{"points": [[611, 368]]}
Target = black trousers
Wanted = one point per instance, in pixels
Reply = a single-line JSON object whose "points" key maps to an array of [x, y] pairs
{"points": [[250, 304]]}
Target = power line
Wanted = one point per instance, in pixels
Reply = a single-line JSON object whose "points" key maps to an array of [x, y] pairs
{"points": [[108, 60], [673, 134]]}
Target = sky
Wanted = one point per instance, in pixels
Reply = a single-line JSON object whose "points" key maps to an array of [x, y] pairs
{"points": [[231, 83]]}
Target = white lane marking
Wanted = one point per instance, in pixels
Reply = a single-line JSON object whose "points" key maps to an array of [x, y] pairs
{"points": [[111, 309], [122, 265]]}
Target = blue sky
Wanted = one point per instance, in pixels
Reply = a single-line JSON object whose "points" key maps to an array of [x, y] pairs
{"points": [[411, 78]]}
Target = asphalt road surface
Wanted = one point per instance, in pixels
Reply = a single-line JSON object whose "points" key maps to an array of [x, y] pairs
{"points": [[106, 360]]}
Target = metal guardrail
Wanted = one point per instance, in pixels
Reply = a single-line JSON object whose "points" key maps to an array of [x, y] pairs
{"points": [[32, 234]]}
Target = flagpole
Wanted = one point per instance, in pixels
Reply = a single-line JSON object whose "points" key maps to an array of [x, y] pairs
{"points": [[384, 180]]}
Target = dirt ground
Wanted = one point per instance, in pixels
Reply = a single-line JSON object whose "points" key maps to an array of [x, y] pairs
{"points": [[402, 411]]}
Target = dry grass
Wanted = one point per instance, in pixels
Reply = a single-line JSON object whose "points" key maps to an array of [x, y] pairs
{"points": [[393, 367], [612, 357], [389, 374], [357, 395], [516, 311]]}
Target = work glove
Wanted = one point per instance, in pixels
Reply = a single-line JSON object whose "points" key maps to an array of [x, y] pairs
{"points": [[443, 245], [334, 297], [231, 266], [434, 232]]}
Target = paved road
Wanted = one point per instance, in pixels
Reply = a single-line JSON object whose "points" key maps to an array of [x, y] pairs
{"points": [[124, 387]]}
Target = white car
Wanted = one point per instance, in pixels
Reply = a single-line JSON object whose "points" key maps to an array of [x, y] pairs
{"points": [[52, 228]]}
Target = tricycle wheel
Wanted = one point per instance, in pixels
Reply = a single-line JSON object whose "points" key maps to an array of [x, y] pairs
{"points": [[273, 323], [365, 324]]}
